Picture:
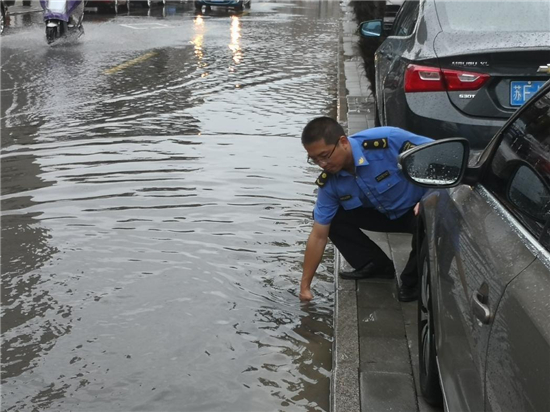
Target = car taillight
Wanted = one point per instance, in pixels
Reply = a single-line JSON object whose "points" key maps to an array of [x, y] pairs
{"points": [[423, 79], [459, 80], [434, 79]]}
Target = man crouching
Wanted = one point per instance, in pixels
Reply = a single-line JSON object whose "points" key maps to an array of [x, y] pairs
{"points": [[361, 187]]}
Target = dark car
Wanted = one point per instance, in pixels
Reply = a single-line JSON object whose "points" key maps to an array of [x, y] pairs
{"points": [[459, 68], [236, 4], [484, 307], [113, 4]]}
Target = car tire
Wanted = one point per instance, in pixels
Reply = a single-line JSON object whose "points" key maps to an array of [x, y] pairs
{"points": [[3, 19], [198, 6], [119, 6], [249, 4], [26, 2], [427, 362]]}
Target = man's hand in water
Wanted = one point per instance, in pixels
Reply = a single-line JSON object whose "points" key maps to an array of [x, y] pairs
{"points": [[306, 295]]}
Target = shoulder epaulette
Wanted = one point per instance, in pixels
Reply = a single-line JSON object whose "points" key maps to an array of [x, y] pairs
{"points": [[322, 179], [406, 146], [381, 143]]}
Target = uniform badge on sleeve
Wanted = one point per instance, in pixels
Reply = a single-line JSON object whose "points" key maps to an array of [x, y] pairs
{"points": [[322, 179], [381, 143], [406, 146]]}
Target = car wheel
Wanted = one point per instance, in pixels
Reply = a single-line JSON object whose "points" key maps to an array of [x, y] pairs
{"points": [[428, 370], [198, 6], [2, 19], [240, 5], [121, 5], [249, 4]]}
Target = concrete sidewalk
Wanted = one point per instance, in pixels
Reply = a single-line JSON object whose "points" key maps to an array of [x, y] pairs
{"points": [[375, 353]]}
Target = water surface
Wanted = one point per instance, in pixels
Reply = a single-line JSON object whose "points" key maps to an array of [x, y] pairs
{"points": [[155, 207]]}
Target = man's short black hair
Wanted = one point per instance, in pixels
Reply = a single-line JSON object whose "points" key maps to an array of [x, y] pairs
{"points": [[325, 128]]}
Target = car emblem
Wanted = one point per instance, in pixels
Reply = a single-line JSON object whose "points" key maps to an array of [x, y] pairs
{"points": [[544, 69]]}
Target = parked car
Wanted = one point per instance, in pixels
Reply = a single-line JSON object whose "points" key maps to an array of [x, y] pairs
{"points": [[148, 3], [236, 4], [118, 4], [483, 312], [459, 68], [114, 4]]}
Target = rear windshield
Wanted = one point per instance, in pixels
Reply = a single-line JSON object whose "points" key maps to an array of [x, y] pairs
{"points": [[493, 15]]}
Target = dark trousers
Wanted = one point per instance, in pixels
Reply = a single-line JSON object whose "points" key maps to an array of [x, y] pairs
{"points": [[358, 249]]}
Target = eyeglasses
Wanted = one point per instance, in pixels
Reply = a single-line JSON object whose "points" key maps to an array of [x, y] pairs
{"points": [[322, 159]]}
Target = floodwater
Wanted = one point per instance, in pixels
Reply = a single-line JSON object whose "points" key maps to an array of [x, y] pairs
{"points": [[156, 202]]}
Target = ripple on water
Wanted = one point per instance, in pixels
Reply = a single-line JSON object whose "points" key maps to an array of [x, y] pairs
{"points": [[154, 221], [136, 227]]}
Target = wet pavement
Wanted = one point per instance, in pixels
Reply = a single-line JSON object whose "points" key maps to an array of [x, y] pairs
{"points": [[375, 356], [155, 207]]}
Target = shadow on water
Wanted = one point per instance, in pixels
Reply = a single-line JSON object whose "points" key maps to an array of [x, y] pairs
{"points": [[29, 328]]}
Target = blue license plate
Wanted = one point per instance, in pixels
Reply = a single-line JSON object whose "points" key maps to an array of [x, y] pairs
{"points": [[522, 91]]}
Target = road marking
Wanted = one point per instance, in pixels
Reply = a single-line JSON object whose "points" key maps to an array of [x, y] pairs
{"points": [[129, 63]]}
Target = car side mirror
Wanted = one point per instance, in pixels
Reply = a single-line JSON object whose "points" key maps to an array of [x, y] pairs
{"points": [[371, 28], [529, 193], [438, 164]]}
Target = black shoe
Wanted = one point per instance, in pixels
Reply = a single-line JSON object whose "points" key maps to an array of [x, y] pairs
{"points": [[370, 271], [407, 294]]}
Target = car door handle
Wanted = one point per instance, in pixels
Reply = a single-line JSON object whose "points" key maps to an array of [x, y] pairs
{"points": [[481, 310]]}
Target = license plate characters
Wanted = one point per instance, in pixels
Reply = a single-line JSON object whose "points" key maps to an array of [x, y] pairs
{"points": [[521, 91]]}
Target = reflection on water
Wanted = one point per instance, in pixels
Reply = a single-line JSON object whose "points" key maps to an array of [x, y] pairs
{"points": [[154, 218], [198, 40], [235, 36]]}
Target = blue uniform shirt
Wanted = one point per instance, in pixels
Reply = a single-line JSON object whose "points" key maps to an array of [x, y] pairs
{"points": [[378, 183]]}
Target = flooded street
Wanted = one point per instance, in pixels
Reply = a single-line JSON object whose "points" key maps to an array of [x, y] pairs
{"points": [[156, 202]]}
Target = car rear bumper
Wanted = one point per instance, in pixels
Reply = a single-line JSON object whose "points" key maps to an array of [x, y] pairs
{"points": [[432, 115]]}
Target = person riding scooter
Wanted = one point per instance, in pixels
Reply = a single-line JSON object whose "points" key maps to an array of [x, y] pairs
{"points": [[62, 17]]}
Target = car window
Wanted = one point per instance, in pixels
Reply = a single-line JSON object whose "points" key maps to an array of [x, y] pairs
{"points": [[519, 173], [406, 19]]}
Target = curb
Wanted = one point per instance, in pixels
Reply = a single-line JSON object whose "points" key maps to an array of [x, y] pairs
{"points": [[345, 391], [374, 359]]}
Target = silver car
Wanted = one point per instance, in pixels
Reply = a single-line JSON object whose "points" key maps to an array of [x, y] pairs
{"points": [[484, 311]]}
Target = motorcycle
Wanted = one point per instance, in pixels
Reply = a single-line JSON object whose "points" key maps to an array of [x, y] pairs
{"points": [[63, 18]]}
